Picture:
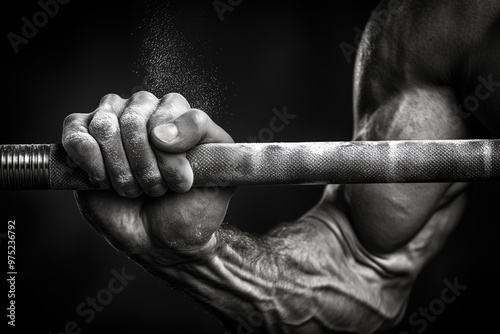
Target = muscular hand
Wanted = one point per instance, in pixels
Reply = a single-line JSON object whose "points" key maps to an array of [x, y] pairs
{"points": [[140, 144]]}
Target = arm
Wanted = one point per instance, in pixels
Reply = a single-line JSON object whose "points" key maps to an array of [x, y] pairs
{"points": [[411, 92], [305, 276], [346, 265], [302, 277]]}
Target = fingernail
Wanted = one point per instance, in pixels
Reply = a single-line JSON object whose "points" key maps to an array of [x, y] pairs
{"points": [[157, 190], [166, 132], [133, 193]]}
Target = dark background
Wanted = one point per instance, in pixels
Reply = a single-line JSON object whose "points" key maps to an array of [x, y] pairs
{"points": [[261, 56]]}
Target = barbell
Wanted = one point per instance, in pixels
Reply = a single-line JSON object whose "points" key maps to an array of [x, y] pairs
{"points": [[47, 166]]}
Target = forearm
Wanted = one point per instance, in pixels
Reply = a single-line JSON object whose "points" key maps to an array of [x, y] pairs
{"points": [[301, 277]]}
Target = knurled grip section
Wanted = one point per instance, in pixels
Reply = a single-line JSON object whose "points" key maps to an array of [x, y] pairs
{"points": [[346, 162], [47, 166]]}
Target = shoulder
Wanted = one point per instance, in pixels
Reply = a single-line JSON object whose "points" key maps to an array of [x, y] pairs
{"points": [[445, 43]]}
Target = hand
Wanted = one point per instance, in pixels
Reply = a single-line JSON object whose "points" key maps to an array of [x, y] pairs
{"points": [[140, 143]]}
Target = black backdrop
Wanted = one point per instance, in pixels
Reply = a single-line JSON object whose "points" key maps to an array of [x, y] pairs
{"points": [[261, 56]]}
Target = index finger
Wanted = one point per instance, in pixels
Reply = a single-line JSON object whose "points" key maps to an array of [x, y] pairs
{"points": [[82, 148]]}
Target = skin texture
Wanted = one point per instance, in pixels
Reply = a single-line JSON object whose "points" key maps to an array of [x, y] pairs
{"points": [[349, 263]]}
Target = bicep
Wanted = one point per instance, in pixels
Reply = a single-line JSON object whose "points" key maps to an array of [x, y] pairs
{"points": [[388, 216], [396, 98]]}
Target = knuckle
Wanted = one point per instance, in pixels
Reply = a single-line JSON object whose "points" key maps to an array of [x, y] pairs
{"points": [[71, 119], [132, 118], [79, 146], [104, 126], [144, 96], [74, 140], [177, 100], [198, 117], [68, 120], [110, 100], [174, 97]]}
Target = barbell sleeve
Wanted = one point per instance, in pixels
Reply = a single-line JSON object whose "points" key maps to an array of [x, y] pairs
{"points": [[48, 166]]}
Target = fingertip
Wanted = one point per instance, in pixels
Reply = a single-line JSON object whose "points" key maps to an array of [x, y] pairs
{"points": [[184, 186], [132, 193], [157, 190], [176, 171], [181, 181]]}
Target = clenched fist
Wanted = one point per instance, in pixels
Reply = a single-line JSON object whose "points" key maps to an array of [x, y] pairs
{"points": [[139, 144]]}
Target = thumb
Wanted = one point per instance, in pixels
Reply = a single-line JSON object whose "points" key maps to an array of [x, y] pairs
{"points": [[186, 131], [164, 134]]}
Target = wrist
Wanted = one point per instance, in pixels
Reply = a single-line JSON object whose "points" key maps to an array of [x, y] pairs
{"points": [[162, 262]]}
